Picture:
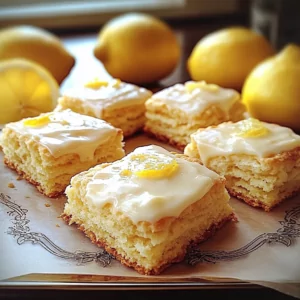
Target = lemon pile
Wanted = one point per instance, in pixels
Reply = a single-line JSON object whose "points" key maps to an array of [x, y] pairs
{"points": [[239, 58], [142, 49], [33, 63]]}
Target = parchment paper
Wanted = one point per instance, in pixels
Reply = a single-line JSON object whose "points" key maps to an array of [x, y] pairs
{"points": [[261, 247]]}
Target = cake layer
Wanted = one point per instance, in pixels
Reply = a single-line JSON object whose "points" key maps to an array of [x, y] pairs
{"points": [[261, 164], [194, 98], [120, 104], [148, 218], [49, 153], [173, 114]]}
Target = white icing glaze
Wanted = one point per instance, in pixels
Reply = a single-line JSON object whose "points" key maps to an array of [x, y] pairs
{"points": [[196, 101], [68, 132], [148, 199], [111, 96], [225, 140]]}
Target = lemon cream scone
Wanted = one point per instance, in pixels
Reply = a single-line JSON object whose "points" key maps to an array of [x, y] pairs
{"points": [[48, 150], [120, 104], [260, 161], [148, 208], [174, 113]]}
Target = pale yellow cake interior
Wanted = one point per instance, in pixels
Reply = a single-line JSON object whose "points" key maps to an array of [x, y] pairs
{"points": [[252, 172], [174, 113], [52, 175], [147, 247], [130, 119], [260, 183], [175, 126], [49, 149], [119, 103]]}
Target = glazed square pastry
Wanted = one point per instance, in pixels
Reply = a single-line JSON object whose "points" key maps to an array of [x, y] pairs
{"points": [[118, 103], [260, 161], [48, 150], [148, 208], [174, 113]]}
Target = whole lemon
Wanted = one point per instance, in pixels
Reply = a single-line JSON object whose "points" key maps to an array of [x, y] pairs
{"points": [[137, 48], [272, 90], [225, 57], [37, 45]]}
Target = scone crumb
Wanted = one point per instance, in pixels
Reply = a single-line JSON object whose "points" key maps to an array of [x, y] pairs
{"points": [[57, 225], [19, 178], [47, 205], [27, 197], [11, 185]]}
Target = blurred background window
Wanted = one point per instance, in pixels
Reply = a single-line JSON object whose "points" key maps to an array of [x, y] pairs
{"points": [[54, 14], [277, 20]]}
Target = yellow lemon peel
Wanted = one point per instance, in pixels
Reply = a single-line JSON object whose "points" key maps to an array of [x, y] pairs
{"points": [[64, 122], [126, 172], [96, 84], [151, 166], [252, 128], [116, 83], [190, 86], [38, 121]]}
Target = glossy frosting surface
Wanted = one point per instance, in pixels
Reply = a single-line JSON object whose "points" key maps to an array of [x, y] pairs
{"points": [[66, 132], [226, 139], [150, 199], [113, 95], [194, 97]]}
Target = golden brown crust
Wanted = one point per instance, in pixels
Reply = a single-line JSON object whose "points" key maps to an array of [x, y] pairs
{"points": [[164, 139], [256, 203], [132, 134], [155, 271], [25, 176]]}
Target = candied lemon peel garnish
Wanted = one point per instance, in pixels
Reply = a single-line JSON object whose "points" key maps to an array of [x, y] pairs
{"points": [[96, 83], [151, 166], [191, 85], [252, 128], [126, 172], [116, 83], [38, 121], [64, 122]]}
